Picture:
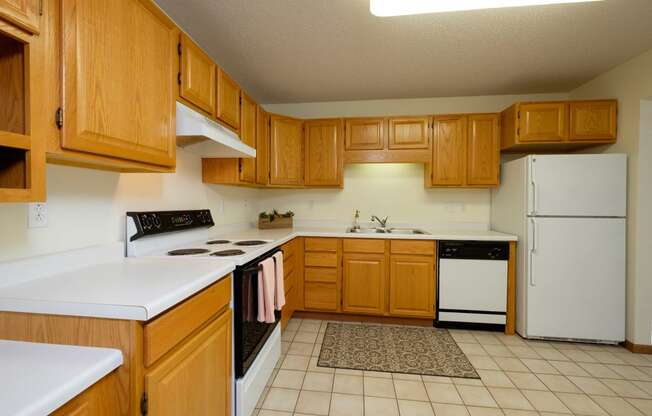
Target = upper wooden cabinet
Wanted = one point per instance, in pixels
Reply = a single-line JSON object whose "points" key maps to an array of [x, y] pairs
{"points": [[197, 74], [449, 151], [409, 133], [323, 143], [286, 152], [558, 125], [22, 145], [262, 146], [593, 120], [228, 100], [118, 67], [483, 150], [248, 136], [364, 133], [22, 13]]}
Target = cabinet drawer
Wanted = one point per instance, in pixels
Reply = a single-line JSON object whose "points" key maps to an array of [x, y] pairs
{"points": [[320, 259], [166, 331], [288, 282], [289, 265], [320, 275], [413, 247], [363, 246], [321, 244], [321, 296], [289, 249]]}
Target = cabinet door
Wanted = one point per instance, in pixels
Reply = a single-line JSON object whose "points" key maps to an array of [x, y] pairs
{"points": [[363, 283], [483, 150], [262, 147], [197, 76], [118, 95], [228, 100], [323, 152], [321, 296], [542, 122], [248, 136], [364, 134], [100, 399], [593, 120], [412, 286], [409, 132], [449, 151], [196, 378], [22, 13], [286, 152]]}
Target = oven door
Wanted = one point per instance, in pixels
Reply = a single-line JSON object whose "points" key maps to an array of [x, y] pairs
{"points": [[249, 334]]}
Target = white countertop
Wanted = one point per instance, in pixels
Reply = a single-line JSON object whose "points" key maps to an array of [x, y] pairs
{"points": [[136, 288], [36, 379]]}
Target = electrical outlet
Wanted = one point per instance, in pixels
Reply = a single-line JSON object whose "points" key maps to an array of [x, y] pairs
{"points": [[37, 216]]}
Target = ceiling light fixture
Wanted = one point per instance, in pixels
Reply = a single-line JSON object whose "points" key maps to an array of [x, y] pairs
{"points": [[383, 8]]}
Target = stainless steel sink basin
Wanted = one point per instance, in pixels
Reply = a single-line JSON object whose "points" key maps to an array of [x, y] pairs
{"points": [[403, 231]]}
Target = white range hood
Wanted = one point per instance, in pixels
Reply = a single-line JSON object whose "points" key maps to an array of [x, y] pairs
{"points": [[204, 137]]}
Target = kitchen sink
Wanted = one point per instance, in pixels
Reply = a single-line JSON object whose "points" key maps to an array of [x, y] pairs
{"points": [[403, 231]]}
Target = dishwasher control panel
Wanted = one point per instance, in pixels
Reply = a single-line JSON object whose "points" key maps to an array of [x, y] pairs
{"points": [[479, 250]]}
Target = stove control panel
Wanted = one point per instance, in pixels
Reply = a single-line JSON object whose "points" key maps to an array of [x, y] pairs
{"points": [[159, 222]]}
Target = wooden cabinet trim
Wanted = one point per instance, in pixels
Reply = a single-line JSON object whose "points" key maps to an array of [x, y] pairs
{"points": [[23, 13]]}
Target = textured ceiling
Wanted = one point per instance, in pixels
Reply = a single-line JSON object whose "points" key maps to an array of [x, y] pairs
{"points": [[284, 51]]}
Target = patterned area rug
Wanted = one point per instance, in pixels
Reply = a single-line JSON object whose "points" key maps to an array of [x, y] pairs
{"points": [[395, 349]]}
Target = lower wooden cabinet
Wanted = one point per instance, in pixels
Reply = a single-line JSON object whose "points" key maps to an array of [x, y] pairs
{"points": [[363, 283], [196, 378], [321, 296], [322, 274], [97, 400], [412, 286]]}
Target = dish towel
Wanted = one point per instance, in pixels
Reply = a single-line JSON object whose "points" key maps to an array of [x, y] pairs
{"points": [[279, 297], [266, 284]]}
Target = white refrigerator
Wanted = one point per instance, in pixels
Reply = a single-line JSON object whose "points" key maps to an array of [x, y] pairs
{"points": [[569, 212]]}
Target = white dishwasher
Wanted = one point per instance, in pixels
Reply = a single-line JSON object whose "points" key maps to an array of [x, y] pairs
{"points": [[472, 284]]}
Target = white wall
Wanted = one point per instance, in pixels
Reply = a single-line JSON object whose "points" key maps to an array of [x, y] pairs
{"points": [[631, 84], [87, 207]]}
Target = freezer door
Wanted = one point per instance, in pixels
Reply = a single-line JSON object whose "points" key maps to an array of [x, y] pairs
{"points": [[577, 185], [576, 278]]}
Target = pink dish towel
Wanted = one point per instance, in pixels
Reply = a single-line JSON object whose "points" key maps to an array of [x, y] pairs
{"points": [[279, 298], [266, 284]]}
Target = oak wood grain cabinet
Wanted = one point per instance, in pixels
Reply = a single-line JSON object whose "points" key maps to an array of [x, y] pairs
{"points": [[483, 150], [197, 76], [409, 133], [323, 158], [248, 137], [364, 133], [412, 286], [262, 146], [22, 13], [322, 274], [291, 274], [449, 151], [363, 283], [97, 400], [22, 145], [177, 363], [228, 100], [558, 125], [286, 152]]}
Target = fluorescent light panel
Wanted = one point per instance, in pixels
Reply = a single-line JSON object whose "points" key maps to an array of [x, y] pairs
{"points": [[384, 8]]}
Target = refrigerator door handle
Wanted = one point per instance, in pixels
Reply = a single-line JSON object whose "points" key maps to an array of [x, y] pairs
{"points": [[533, 211], [533, 249]]}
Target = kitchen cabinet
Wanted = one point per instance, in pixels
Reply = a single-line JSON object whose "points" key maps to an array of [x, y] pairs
{"points": [[22, 147], [323, 158], [118, 61], [228, 100], [409, 132], [248, 136], [558, 125], [22, 13], [94, 401], [262, 146], [483, 150], [322, 274], [286, 152], [197, 76], [412, 286], [190, 341], [363, 283], [206, 360], [291, 274], [449, 151], [364, 133]]}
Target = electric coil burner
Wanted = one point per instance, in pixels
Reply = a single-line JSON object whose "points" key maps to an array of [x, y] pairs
{"points": [[218, 242], [187, 251], [249, 243], [226, 253]]}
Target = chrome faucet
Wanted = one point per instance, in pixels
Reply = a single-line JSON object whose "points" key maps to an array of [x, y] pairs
{"points": [[383, 222]]}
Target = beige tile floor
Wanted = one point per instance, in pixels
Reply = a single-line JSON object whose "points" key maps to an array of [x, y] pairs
{"points": [[518, 378]]}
